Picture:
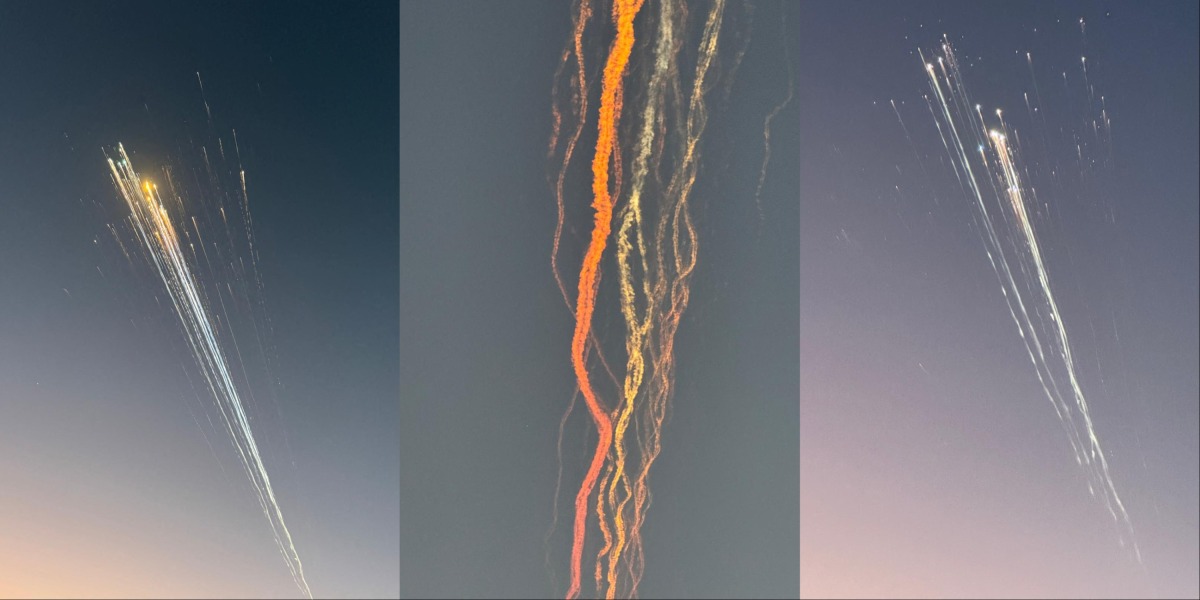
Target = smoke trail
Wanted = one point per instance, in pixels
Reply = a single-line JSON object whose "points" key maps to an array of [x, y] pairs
{"points": [[675, 250], [582, 14], [656, 249], [762, 173], [631, 224], [614, 71], [160, 241], [1015, 254]]}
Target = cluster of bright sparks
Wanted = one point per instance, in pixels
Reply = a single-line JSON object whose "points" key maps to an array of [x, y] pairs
{"points": [[656, 251], [988, 164], [156, 220]]}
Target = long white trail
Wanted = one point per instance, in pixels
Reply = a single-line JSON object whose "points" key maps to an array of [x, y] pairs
{"points": [[989, 168], [159, 239]]}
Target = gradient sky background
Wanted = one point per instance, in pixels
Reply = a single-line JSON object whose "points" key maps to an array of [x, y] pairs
{"points": [[484, 361], [107, 487], [932, 465]]}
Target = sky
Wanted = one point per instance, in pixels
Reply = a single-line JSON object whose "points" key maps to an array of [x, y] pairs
{"points": [[112, 484], [485, 369], [931, 462]]}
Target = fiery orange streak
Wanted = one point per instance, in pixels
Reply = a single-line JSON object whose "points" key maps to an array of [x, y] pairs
{"points": [[580, 103], [624, 12]]}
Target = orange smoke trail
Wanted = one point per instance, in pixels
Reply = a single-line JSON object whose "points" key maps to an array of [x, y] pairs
{"points": [[624, 12], [579, 107], [664, 244], [581, 18]]}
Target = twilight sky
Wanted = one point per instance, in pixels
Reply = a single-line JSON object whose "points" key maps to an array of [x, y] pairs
{"points": [[108, 487], [931, 463]]}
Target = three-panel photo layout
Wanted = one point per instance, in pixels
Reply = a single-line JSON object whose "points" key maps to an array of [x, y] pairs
{"points": [[600, 299]]}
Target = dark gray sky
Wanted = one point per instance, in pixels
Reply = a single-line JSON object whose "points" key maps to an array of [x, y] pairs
{"points": [[932, 464], [485, 336], [109, 486]]}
